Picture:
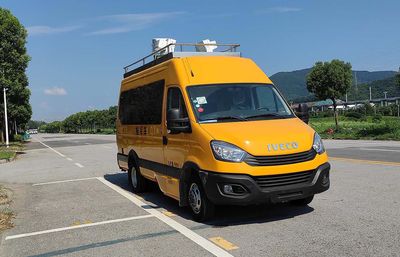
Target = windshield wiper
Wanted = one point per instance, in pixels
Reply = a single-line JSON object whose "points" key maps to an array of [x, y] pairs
{"points": [[231, 118], [274, 115]]}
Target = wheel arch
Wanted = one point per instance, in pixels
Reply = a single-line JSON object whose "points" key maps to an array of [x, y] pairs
{"points": [[189, 169], [133, 159]]}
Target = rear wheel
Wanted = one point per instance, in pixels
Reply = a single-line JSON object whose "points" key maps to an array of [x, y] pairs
{"points": [[303, 202], [136, 180], [202, 208]]}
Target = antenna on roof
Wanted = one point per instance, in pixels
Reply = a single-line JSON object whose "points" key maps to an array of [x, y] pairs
{"points": [[161, 44], [206, 45], [166, 48]]}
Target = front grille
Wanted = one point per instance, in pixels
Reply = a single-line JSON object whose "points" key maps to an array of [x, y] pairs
{"points": [[273, 160], [281, 180]]}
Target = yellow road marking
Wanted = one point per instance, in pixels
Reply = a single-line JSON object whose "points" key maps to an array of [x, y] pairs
{"points": [[77, 223], [223, 243], [168, 213], [365, 161]]}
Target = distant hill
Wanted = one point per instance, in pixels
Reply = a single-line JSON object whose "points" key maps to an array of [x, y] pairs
{"points": [[293, 84], [377, 89]]}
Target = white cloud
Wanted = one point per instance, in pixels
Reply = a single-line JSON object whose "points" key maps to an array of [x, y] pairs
{"points": [[133, 21], [55, 91], [46, 30], [280, 9]]}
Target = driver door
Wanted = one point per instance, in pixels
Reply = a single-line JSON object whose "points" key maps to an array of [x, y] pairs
{"points": [[176, 146]]}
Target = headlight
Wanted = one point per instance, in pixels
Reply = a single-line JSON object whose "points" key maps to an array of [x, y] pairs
{"points": [[317, 144], [227, 152]]}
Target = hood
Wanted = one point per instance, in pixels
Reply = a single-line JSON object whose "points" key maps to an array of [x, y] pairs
{"points": [[266, 137]]}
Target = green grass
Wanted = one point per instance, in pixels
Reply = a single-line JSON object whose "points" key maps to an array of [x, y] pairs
{"points": [[10, 152], [386, 129], [6, 155]]}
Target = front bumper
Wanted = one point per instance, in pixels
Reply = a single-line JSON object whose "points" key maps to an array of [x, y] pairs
{"points": [[256, 193]]}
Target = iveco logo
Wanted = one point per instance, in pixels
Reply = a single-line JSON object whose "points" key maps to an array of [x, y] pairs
{"points": [[284, 146]]}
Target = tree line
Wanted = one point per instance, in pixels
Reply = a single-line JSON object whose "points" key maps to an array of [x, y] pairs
{"points": [[93, 121], [13, 63]]}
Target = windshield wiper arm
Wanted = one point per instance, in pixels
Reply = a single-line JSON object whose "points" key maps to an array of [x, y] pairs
{"points": [[231, 118], [265, 115]]}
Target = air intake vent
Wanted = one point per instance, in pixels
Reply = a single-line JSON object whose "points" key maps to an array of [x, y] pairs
{"points": [[273, 160], [284, 179]]}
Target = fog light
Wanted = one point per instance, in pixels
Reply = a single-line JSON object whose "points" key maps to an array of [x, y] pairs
{"points": [[228, 189], [234, 189]]}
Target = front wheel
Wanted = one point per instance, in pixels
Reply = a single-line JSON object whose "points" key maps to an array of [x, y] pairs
{"points": [[303, 202], [136, 180], [202, 208]]}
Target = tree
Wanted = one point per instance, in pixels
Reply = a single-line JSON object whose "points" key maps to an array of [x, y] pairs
{"points": [[35, 124], [330, 80], [13, 63], [52, 127]]}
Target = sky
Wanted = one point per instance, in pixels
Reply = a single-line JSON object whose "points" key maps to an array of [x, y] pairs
{"points": [[79, 48]]}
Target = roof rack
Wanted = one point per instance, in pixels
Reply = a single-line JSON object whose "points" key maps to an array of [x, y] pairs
{"points": [[177, 50]]}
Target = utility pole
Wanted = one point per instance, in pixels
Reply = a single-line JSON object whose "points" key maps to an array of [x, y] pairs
{"points": [[370, 94], [385, 98], [398, 107], [355, 78], [5, 115]]}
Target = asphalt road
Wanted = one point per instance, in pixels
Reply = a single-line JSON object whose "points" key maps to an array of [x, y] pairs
{"points": [[70, 199]]}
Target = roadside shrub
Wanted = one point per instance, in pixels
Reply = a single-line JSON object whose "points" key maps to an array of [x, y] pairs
{"points": [[385, 110], [368, 109], [376, 130], [18, 138], [377, 118], [354, 115]]}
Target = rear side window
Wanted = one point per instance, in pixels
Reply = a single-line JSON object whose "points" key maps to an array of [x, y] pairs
{"points": [[142, 105]]}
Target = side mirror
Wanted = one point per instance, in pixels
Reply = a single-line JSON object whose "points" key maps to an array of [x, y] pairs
{"points": [[176, 124], [302, 113]]}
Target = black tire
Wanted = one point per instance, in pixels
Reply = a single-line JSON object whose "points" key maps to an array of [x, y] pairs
{"points": [[136, 180], [303, 202], [201, 207]]}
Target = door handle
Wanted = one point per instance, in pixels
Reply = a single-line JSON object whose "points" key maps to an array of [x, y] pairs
{"points": [[164, 140]]}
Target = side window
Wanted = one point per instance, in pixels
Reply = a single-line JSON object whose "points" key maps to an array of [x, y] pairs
{"points": [[175, 101], [142, 105]]}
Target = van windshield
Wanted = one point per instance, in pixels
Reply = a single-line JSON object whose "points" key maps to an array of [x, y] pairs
{"points": [[237, 102]]}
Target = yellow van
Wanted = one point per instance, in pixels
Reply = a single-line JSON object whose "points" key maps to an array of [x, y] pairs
{"points": [[211, 129]]}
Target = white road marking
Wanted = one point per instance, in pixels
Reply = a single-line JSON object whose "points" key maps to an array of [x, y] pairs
{"points": [[78, 164], [201, 241], [77, 226], [87, 143], [69, 159], [108, 147], [377, 149], [57, 152], [63, 181]]}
